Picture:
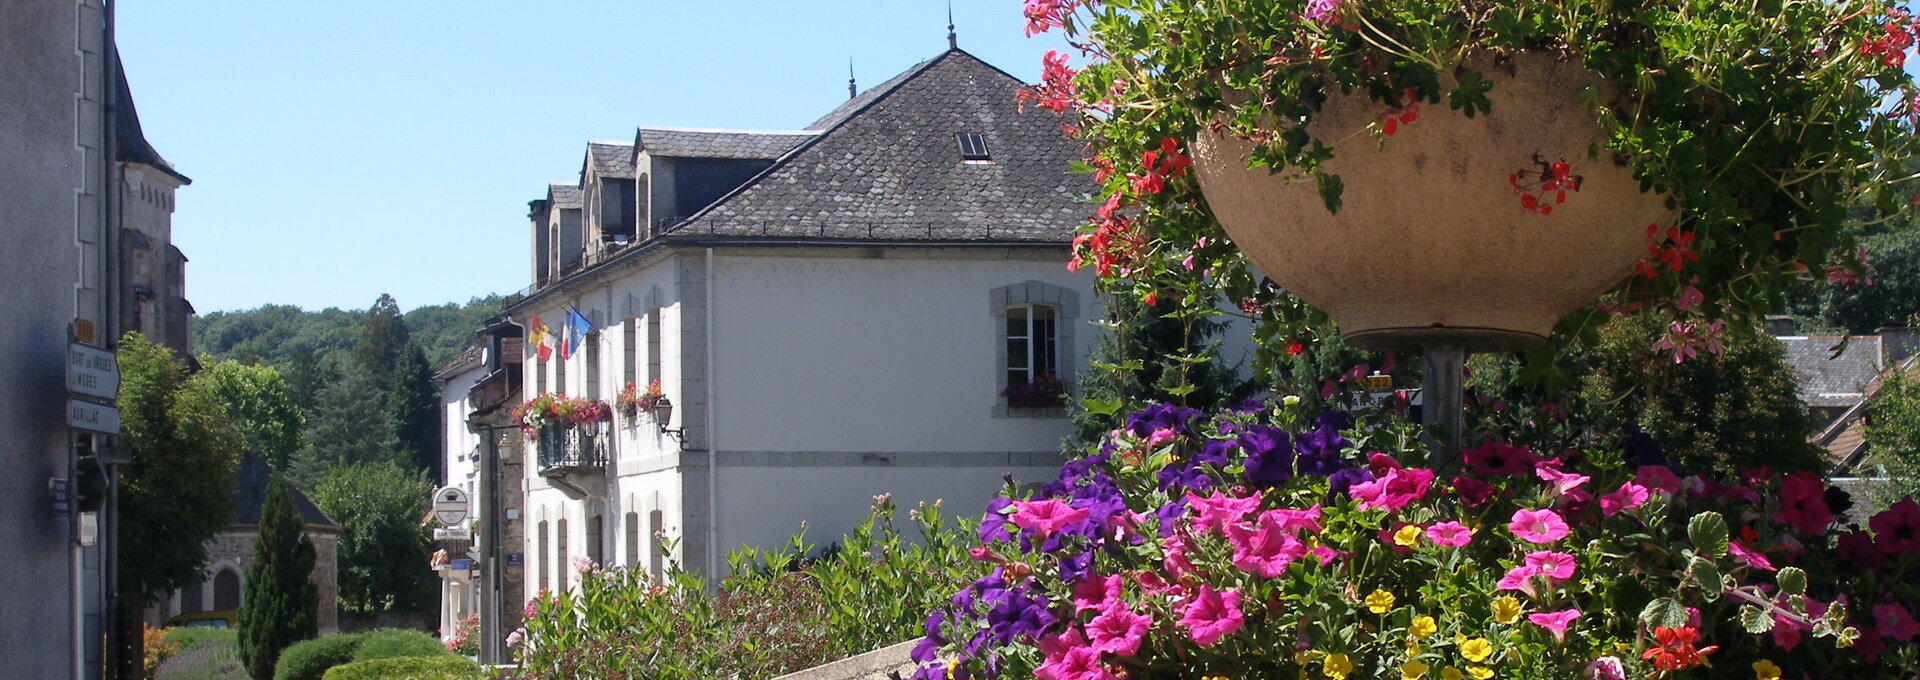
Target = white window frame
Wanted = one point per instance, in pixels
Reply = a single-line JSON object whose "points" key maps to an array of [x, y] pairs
{"points": [[1065, 303]]}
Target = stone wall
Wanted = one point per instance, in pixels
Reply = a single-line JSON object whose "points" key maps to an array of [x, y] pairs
{"points": [[232, 549]]}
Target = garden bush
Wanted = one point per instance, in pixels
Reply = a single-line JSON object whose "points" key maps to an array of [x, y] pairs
{"points": [[780, 612], [205, 654], [310, 659], [189, 636], [390, 643], [443, 667]]}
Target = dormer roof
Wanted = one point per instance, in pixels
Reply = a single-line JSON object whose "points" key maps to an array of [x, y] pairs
{"points": [[611, 160], [701, 143], [564, 196]]}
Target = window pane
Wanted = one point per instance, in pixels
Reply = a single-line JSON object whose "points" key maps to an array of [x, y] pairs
{"points": [[1016, 353], [1016, 378]]}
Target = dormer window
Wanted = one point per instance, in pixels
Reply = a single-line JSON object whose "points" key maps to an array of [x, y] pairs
{"points": [[973, 147]]}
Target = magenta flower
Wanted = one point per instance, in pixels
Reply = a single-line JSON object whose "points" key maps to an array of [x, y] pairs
{"points": [[1563, 482], [1212, 614], [1897, 528], [1895, 622], [1096, 592], [1604, 668], [1074, 662], [1175, 560], [1118, 630], [1629, 496], [1325, 554], [1266, 548], [1047, 516], [1556, 622], [1657, 478], [1296, 520], [1394, 489], [1803, 504], [1557, 566], [1752, 558], [1213, 514], [1320, 11], [1472, 492], [1538, 526], [1494, 459], [1449, 534], [1519, 578]]}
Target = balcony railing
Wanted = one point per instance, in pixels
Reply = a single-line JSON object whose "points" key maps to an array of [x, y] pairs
{"points": [[568, 448]]}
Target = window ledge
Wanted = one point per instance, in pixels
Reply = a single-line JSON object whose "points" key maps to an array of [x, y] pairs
{"points": [[1005, 411]]}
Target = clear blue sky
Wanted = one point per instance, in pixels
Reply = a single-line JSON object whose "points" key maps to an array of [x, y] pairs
{"points": [[344, 149]]}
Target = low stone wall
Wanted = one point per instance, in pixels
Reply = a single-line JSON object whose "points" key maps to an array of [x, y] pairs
{"points": [[886, 663]]}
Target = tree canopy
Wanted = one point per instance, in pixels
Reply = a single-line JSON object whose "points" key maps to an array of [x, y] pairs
{"points": [[257, 399], [176, 493], [383, 547]]}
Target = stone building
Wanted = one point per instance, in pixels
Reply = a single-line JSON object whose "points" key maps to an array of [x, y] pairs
{"points": [[86, 200], [854, 308], [231, 550]]}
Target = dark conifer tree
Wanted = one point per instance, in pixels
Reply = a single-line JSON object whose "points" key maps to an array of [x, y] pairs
{"points": [[1133, 365], [280, 602], [412, 408]]}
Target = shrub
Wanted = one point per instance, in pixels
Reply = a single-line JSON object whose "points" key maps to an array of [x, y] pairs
{"points": [[390, 643], [442, 667], [205, 654], [188, 637], [156, 646], [281, 601], [310, 659]]}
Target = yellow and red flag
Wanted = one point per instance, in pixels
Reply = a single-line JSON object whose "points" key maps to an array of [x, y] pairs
{"points": [[539, 331]]}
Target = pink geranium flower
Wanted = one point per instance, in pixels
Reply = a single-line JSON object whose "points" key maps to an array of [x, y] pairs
{"points": [[1538, 526], [1630, 495], [1449, 534], [1212, 514], [1556, 622], [1046, 516], [1394, 489], [1803, 504], [1118, 630], [1212, 614], [1266, 548]]}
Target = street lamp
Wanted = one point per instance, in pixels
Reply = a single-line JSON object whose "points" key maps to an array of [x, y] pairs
{"points": [[663, 414]]}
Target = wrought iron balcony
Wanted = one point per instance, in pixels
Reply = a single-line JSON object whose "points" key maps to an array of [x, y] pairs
{"points": [[572, 448]]}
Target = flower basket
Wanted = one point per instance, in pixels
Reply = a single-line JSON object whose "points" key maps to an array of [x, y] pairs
{"points": [[632, 402], [561, 409], [1432, 244], [1046, 391]]}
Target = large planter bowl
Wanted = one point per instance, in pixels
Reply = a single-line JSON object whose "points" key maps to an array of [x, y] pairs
{"points": [[1431, 245]]}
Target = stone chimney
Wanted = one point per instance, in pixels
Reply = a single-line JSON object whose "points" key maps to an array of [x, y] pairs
{"points": [[1779, 325], [1897, 343]]}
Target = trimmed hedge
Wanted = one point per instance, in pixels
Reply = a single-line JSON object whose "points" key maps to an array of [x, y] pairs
{"points": [[446, 667], [392, 643], [310, 659]]}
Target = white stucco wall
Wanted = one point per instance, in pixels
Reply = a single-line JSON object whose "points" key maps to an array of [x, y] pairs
{"points": [[459, 453]]}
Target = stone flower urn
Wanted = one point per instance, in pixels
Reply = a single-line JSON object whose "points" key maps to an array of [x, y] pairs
{"points": [[1434, 244]]}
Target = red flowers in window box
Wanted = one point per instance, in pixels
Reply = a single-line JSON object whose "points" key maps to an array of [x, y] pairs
{"points": [[1045, 391]]}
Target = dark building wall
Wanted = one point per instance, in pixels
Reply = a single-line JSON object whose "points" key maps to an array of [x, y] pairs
{"points": [[698, 182]]}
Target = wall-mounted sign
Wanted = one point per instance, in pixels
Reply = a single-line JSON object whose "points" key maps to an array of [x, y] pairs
{"points": [[462, 564], [92, 372], [450, 505], [57, 490], [86, 415], [515, 559]]}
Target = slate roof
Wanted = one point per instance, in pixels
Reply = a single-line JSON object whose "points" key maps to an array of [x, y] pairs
{"points": [[250, 493], [130, 142], [685, 143], [1827, 381], [610, 159], [886, 166], [565, 196]]}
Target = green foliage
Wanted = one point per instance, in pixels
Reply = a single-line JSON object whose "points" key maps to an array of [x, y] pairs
{"points": [[390, 643], [205, 654], [260, 404], [413, 410], [281, 603], [1891, 299], [276, 334], [1151, 353], [349, 427], [310, 659], [176, 493], [779, 613], [188, 636], [383, 548], [409, 668], [1893, 439]]}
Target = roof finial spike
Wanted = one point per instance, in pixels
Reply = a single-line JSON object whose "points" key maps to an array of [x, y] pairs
{"points": [[953, 39], [852, 89]]}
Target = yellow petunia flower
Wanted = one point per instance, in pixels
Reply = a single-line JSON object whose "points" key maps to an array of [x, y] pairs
{"points": [[1408, 535], [1213, 677], [1476, 650], [1506, 609], [1451, 673], [1337, 666], [1416, 669], [1379, 602], [1765, 670], [1423, 626], [1480, 672]]}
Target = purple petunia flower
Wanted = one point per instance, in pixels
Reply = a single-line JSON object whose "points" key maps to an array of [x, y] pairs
{"points": [[1269, 455], [1161, 417]]}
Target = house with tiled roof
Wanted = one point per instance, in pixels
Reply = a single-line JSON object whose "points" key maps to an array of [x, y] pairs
{"points": [[874, 304], [1838, 375]]}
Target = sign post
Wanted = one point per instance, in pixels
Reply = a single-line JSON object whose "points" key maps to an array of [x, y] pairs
{"points": [[450, 506]]}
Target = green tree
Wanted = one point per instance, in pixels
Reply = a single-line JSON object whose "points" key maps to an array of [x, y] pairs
{"points": [[383, 338], [261, 406], [1151, 354], [383, 547], [306, 376], [413, 409], [1891, 298], [350, 425], [281, 601], [177, 492], [1893, 438]]}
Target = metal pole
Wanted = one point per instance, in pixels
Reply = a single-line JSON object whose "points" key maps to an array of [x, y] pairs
{"points": [[1440, 388]]}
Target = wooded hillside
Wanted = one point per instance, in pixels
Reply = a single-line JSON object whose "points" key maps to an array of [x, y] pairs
{"points": [[274, 334]]}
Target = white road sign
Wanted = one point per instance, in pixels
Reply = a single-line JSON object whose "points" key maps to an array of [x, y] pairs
{"points": [[93, 417], [450, 505], [92, 372]]}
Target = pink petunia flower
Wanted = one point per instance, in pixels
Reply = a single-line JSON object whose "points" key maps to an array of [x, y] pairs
{"points": [[1556, 622], [1630, 495], [1897, 528], [1118, 630], [1895, 622], [1557, 566], [1803, 504], [1073, 662], [1494, 459], [1046, 516], [1449, 534], [1752, 558], [1094, 592], [1562, 481], [1657, 478], [1519, 579], [1212, 514], [1394, 490], [1472, 492], [1212, 614], [1325, 554], [1307, 520], [1264, 549], [1176, 560], [1538, 526]]}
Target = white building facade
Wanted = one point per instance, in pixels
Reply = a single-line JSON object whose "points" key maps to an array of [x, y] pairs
{"points": [[834, 313]]}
